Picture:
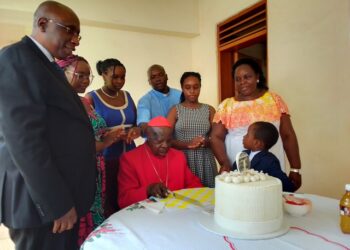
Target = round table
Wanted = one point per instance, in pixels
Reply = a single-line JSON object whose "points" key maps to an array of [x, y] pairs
{"points": [[177, 226]]}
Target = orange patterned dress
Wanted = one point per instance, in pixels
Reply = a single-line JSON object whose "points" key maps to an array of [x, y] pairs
{"points": [[236, 116]]}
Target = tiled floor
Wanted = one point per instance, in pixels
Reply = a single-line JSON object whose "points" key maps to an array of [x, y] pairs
{"points": [[5, 242]]}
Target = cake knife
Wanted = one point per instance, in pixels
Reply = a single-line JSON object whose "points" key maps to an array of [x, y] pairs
{"points": [[186, 199]]}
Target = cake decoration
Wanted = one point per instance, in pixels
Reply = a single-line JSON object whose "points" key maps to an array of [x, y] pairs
{"points": [[236, 177]]}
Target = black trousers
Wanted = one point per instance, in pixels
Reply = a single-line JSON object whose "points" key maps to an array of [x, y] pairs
{"points": [[111, 202], [42, 238]]}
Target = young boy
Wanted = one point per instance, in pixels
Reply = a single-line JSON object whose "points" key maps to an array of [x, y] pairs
{"points": [[261, 136]]}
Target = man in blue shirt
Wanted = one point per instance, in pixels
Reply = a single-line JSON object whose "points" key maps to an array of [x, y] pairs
{"points": [[159, 100]]}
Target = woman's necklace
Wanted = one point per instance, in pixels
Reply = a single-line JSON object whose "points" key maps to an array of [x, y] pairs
{"points": [[110, 96], [155, 170]]}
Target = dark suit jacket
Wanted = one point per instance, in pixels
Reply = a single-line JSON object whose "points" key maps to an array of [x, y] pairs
{"points": [[47, 147], [268, 163]]}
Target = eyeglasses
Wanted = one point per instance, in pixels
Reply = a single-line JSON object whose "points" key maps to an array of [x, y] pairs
{"points": [[82, 77], [70, 30]]}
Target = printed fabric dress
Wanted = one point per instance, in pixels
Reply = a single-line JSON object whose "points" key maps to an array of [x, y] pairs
{"points": [[236, 116], [191, 123], [95, 216], [124, 117]]}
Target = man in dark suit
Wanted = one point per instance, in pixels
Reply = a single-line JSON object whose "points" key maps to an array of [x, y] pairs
{"points": [[47, 147], [261, 136]]}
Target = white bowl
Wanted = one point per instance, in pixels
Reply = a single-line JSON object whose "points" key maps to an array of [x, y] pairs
{"points": [[296, 206]]}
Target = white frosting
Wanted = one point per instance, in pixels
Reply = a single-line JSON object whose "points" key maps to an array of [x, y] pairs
{"points": [[236, 177], [228, 179], [249, 203]]}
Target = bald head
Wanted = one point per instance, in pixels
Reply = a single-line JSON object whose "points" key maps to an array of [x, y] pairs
{"points": [[57, 28], [158, 133], [50, 9]]}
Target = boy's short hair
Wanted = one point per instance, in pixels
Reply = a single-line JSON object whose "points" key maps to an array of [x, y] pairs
{"points": [[267, 133]]}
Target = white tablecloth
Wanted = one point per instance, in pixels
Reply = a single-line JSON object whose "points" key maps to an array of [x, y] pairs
{"points": [[178, 227]]}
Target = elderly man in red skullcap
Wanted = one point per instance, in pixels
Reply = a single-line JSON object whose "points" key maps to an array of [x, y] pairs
{"points": [[153, 168]]}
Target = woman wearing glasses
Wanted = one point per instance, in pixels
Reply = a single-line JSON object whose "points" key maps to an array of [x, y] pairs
{"points": [[118, 109], [78, 73], [253, 102]]}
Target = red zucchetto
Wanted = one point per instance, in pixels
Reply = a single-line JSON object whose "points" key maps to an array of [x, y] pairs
{"points": [[159, 121]]}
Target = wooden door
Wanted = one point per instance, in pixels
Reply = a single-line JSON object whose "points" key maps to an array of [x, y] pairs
{"points": [[243, 35]]}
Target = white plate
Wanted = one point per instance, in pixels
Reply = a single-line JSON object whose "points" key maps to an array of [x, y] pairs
{"points": [[207, 221]]}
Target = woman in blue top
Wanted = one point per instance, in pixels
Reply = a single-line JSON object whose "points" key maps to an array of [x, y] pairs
{"points": [[118, 110]]}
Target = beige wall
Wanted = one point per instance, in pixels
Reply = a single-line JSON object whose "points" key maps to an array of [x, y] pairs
{"points": [[155, 35], [308, 51], [149, 15], [204, 54], [137, 51], [309, 59]]}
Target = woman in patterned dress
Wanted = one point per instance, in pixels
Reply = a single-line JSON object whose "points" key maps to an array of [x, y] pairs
{"points": [[118, 110], [192, 123], [253, 102], [78, 73]]}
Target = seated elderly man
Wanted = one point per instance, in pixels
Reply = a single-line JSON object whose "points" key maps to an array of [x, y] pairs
{"points": [[153, 168]]}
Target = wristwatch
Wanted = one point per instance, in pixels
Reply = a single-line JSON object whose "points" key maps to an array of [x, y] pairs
{"points": [[295, 170]]}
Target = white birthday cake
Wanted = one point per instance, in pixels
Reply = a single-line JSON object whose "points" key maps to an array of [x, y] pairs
{"points": [[248, 203]]}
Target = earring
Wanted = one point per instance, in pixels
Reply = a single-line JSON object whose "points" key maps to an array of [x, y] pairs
{"points": [[258, 81]]}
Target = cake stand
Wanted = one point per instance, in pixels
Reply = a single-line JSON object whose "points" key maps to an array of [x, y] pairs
{"points": [[207, 222]]}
